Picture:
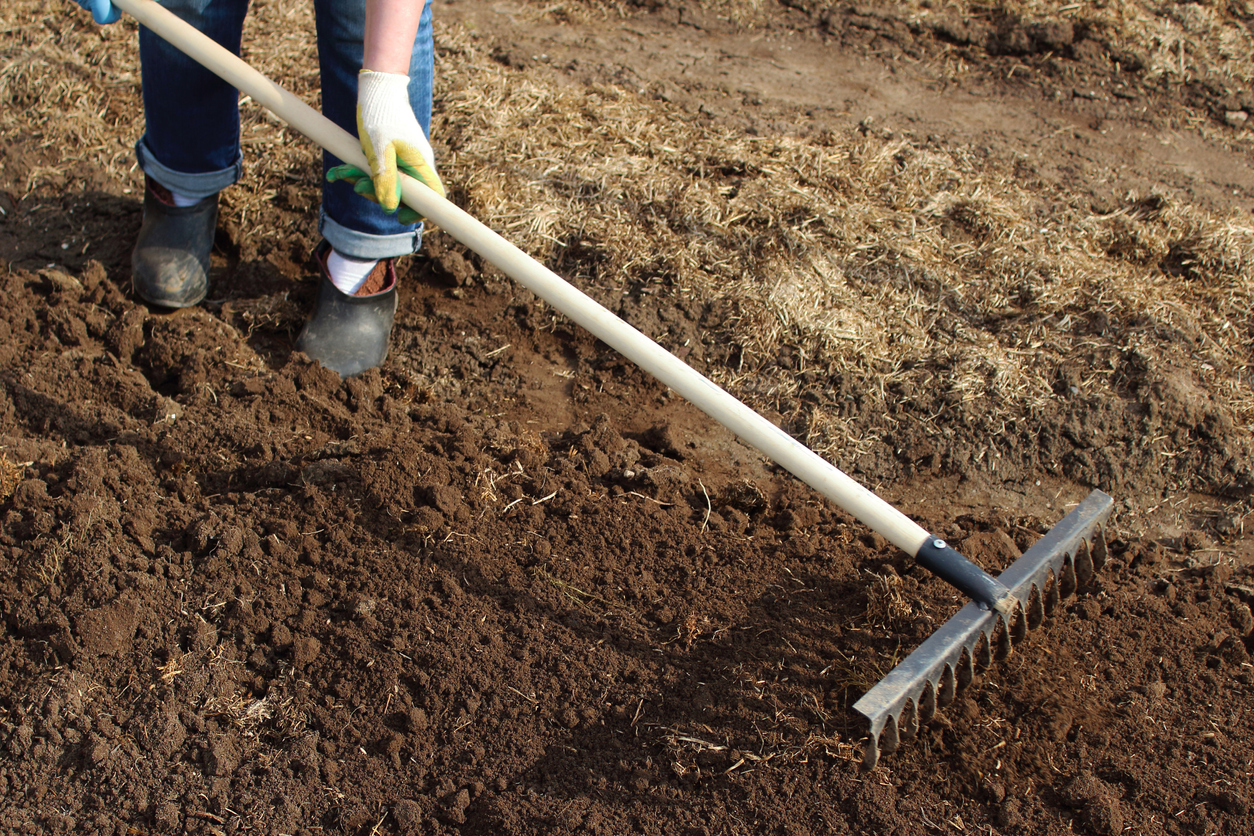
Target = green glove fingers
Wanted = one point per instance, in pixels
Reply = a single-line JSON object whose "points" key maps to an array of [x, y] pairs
{"points": [[413, 172], [364, 186]]}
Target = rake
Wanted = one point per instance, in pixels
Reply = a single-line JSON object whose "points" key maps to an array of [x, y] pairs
{"points": [[1002, 608]]}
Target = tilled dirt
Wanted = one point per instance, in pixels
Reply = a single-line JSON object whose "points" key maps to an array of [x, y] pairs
{"points": [[245, 594], [510, 584]]}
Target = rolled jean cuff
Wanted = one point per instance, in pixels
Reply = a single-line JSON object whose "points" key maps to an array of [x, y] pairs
{"points": [[365, 246], [197, 186]]}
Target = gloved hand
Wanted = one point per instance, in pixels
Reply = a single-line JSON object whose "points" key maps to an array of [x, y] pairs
{"points": [[390, 135], [102, 11], [364, 186]]}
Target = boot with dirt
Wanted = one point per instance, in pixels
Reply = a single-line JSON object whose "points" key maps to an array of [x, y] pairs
{"points": [[348, 333], [170, 262]]}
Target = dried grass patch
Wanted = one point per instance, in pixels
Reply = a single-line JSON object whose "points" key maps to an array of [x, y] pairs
{"points": [[70, 90], [876, 260]]}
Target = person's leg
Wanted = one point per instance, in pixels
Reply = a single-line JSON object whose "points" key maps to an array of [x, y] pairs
{"points": [[190, 151], [191, 139], [349, 327], [352, 225]]}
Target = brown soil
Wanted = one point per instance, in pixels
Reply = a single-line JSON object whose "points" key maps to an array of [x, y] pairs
{"points": [[509, 584]]}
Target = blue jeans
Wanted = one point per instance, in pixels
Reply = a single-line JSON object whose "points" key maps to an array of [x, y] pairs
{"points": [[191, 143]]}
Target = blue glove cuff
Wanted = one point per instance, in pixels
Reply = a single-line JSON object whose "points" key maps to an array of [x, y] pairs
{"points": [[102, 11]]}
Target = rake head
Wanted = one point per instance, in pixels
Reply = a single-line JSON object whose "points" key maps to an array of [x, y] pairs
{"points": [[1064, 559]]}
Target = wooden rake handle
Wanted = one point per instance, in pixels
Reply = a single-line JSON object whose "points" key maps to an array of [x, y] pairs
{"points": [[751, 427]]}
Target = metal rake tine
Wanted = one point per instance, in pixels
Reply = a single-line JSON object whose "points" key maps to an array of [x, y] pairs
{"points": [[1066, 580], [1052, 598], [927, 703], [948, 687], [1019, 627], [966, 669], [1083, 565], [1010, 633], [1036, 609], [1099, 549], [908, 723], [871, 755], [983, 652], [890, 739]]}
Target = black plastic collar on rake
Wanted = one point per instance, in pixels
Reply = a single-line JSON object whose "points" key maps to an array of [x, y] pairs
{"points": [[1051, 570]]}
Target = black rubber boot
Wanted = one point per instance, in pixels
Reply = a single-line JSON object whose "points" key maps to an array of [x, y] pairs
{"points": [[170, 262], [349, 334]]}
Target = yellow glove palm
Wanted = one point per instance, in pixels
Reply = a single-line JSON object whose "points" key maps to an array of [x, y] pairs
{"points": [[390, 133]]}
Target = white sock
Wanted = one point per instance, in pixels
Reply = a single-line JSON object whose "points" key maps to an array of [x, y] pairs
{"points": [[182, 200], [348, 274]]}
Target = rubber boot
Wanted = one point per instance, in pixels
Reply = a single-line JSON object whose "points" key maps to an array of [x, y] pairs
{"points": [[170, 262], [349, 334]]}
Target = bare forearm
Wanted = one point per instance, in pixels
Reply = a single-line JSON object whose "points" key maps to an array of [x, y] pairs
{"points": [[391, 26]]}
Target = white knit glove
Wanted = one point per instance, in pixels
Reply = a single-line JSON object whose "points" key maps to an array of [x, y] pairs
{"points": [[391, 136]]}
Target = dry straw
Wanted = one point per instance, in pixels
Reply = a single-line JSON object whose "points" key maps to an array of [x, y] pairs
{"points": [[865, 259]]}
